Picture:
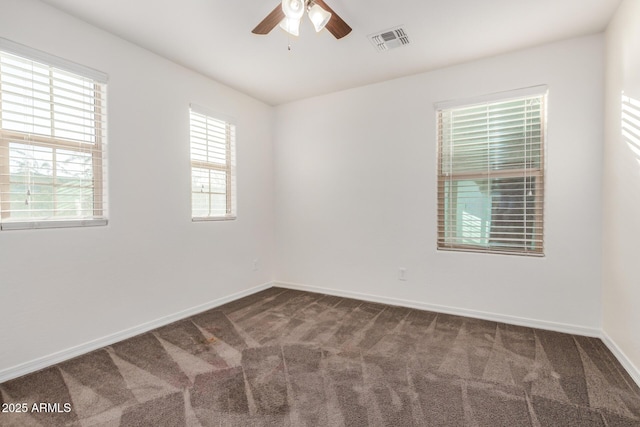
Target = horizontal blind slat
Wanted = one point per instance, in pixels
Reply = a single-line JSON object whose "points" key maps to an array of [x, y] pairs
{"points": [[490, 182], [52, 144], [212, 167]]}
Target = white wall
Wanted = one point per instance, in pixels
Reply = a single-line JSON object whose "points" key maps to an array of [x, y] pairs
{"points": [[355, 190], [621, 272], [67, 287], [356, 193]]}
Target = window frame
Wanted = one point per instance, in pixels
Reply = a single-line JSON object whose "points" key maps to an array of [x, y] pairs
{"points": [[228, 168], [96, 148], [442, 243]]}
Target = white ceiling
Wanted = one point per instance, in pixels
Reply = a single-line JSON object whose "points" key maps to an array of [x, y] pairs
{"points": [[214, 37]]}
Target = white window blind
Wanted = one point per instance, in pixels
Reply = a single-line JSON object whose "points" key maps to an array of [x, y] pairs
{"points": [[491, 176], [213, 186], [52, 142]]}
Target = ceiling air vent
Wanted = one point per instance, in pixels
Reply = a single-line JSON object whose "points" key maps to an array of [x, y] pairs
{"points": [[389, 39]]}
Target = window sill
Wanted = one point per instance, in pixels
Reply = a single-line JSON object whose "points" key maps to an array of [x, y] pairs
{"points": [[494, 251], [213, 218], [63, 223]]}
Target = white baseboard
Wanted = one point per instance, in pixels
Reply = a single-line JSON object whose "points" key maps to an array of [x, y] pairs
{"points": [[513, 320], [61, 356], [626, 363]]}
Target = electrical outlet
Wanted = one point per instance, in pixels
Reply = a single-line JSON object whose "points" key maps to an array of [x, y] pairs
{"points": [[255, 265], [402, 274]]}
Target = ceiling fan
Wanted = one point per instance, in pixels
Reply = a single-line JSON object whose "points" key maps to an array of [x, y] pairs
{"points": [[290, 12]]}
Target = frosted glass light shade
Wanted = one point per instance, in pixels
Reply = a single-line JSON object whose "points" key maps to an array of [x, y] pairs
{"points": [[291, 26], [319, 17], [293, 9]]}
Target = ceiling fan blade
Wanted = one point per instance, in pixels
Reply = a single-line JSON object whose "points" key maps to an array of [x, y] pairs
{"points": [[270, 22], [336, 25]]}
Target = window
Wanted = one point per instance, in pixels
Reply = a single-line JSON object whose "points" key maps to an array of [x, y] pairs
{"points": [[212, 168], [491, 174], [52, 141]]}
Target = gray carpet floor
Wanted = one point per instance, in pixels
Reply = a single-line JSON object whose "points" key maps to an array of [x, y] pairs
{"points": [[283, 357]]}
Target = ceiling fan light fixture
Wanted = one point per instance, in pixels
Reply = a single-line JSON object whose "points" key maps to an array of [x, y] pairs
{"points": [[320, 14], [319, 17], [291, 26]]}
